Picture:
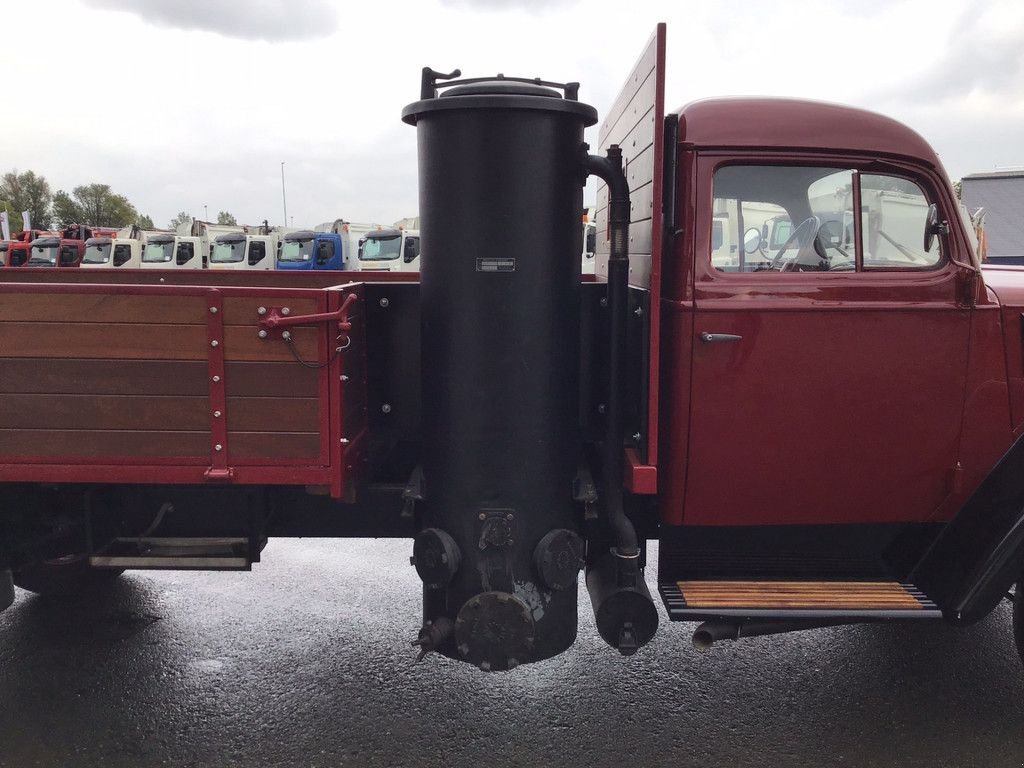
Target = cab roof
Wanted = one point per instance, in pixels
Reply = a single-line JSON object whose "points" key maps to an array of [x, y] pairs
{"points": [[764, 123]]}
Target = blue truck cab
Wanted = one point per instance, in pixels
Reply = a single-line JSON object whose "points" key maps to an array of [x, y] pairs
{"points": [[307, 249]]}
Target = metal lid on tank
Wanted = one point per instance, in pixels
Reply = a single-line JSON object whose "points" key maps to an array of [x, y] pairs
{"points": [[503, 87], [497, 92]]}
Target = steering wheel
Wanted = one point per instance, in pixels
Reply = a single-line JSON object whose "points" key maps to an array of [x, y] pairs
{"points": [[812, 223]]}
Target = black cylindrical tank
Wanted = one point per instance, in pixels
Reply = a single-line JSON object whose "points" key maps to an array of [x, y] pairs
{"points": [[500, 187]]}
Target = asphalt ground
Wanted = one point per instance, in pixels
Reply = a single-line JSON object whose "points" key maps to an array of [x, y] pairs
{"points": [[306, 661]]}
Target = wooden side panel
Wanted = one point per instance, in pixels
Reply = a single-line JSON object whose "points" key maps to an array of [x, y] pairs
{"points": [[636, 122], [131, 375]]}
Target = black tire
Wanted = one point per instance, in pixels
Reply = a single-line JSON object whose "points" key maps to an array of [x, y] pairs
{"points": [[66, 576]]}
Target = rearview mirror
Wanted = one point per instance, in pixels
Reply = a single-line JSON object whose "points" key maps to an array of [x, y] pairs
{"points": [[751, 240], [933, 226]]}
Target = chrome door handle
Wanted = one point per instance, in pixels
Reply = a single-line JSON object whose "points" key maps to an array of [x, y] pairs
{"points": [[719, 338]]}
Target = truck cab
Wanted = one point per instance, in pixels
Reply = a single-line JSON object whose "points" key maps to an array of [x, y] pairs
{"points": [[20, 247], [310, 250], [105, 252], [168, 251], [390, 250], [244, 251], [53, 251], [4, 246]]}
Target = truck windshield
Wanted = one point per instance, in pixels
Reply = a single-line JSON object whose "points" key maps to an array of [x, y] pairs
{"points": [[158, 251], [43, 255], [382, 248], [296, 250], [97, 254], [228, 252]]}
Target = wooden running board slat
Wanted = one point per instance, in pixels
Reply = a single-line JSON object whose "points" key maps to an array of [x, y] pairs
{"points": [[784, 595]]}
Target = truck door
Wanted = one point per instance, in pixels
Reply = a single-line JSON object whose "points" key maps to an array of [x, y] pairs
{"points": [[829, 370]]}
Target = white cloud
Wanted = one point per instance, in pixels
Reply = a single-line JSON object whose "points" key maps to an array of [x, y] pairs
{"points": [[272, 20]]}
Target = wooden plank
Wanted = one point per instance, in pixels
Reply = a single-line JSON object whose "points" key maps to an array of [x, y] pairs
{"points": [[146, 341], [277, 445], [104, 412], [102, 308], [274, 414], [108, 377], [644, 65], [103, 341], [797, 594], [88, 444], [271, 379], [637, 118], [243, 343]]}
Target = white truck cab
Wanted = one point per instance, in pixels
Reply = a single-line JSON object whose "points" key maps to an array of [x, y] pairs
{"points": [[175, 252], [390, 250], [107, 252], [244, 251]]}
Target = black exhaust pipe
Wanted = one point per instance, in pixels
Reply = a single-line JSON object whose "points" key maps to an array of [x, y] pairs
{"points": [[710, 632], [623, 608]]}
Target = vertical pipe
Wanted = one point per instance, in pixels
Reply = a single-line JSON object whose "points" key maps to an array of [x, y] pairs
{"points": [[284, 200]]}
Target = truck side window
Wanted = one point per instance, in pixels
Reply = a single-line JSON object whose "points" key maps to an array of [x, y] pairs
{"points": [[412, 249], [324, 251], [68, 255], [122, 253], [185, 253], [257, 250], [782, 218], [894, 213]]}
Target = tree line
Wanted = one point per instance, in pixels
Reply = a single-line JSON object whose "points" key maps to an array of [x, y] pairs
{"points": [[94, 204]]}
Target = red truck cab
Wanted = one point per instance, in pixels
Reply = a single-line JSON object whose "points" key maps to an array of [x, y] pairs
{"points": [[20, 246]]}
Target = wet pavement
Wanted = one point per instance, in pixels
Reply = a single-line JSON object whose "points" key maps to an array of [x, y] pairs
{"points": [[306, 662]]}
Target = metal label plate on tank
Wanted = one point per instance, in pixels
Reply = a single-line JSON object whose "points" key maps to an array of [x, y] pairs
{"points": [[495, 265]]}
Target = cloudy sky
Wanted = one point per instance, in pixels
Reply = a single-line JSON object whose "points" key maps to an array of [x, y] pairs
{"points": [[184, 103]]}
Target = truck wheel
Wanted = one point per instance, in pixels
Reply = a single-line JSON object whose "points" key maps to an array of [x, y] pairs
{"points": [[66, 576]]}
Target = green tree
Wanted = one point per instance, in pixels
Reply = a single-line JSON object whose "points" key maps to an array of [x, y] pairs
{"points": [[93, 204], [183, 217], [145, 222], [26, 192], [226, 218]]}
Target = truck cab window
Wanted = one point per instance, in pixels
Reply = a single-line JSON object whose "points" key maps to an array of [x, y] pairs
{"points": [[324, 251], [894, 213], [185, 253], [122, 253], [782, 218], [257, 250], [800, 219], [68, 255]]}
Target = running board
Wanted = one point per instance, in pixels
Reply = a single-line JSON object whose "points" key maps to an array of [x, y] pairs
{"points": [[840, 600], [177, 554]]}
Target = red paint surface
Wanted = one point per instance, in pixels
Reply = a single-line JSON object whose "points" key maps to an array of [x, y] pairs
{"points": [[851, 398]]}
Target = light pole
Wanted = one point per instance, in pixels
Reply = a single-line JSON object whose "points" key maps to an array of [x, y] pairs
{"points": [[284, 200], [206, 213]]}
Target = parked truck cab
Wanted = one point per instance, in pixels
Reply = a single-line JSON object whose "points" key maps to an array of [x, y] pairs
{"points": [[244, 251], [53, 251], [310, 250], [4, 246], [390, 250], [174, 252], [112, 252]]}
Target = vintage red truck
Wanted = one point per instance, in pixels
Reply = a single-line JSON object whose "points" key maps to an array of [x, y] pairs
{"points": [[818, 431]]}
